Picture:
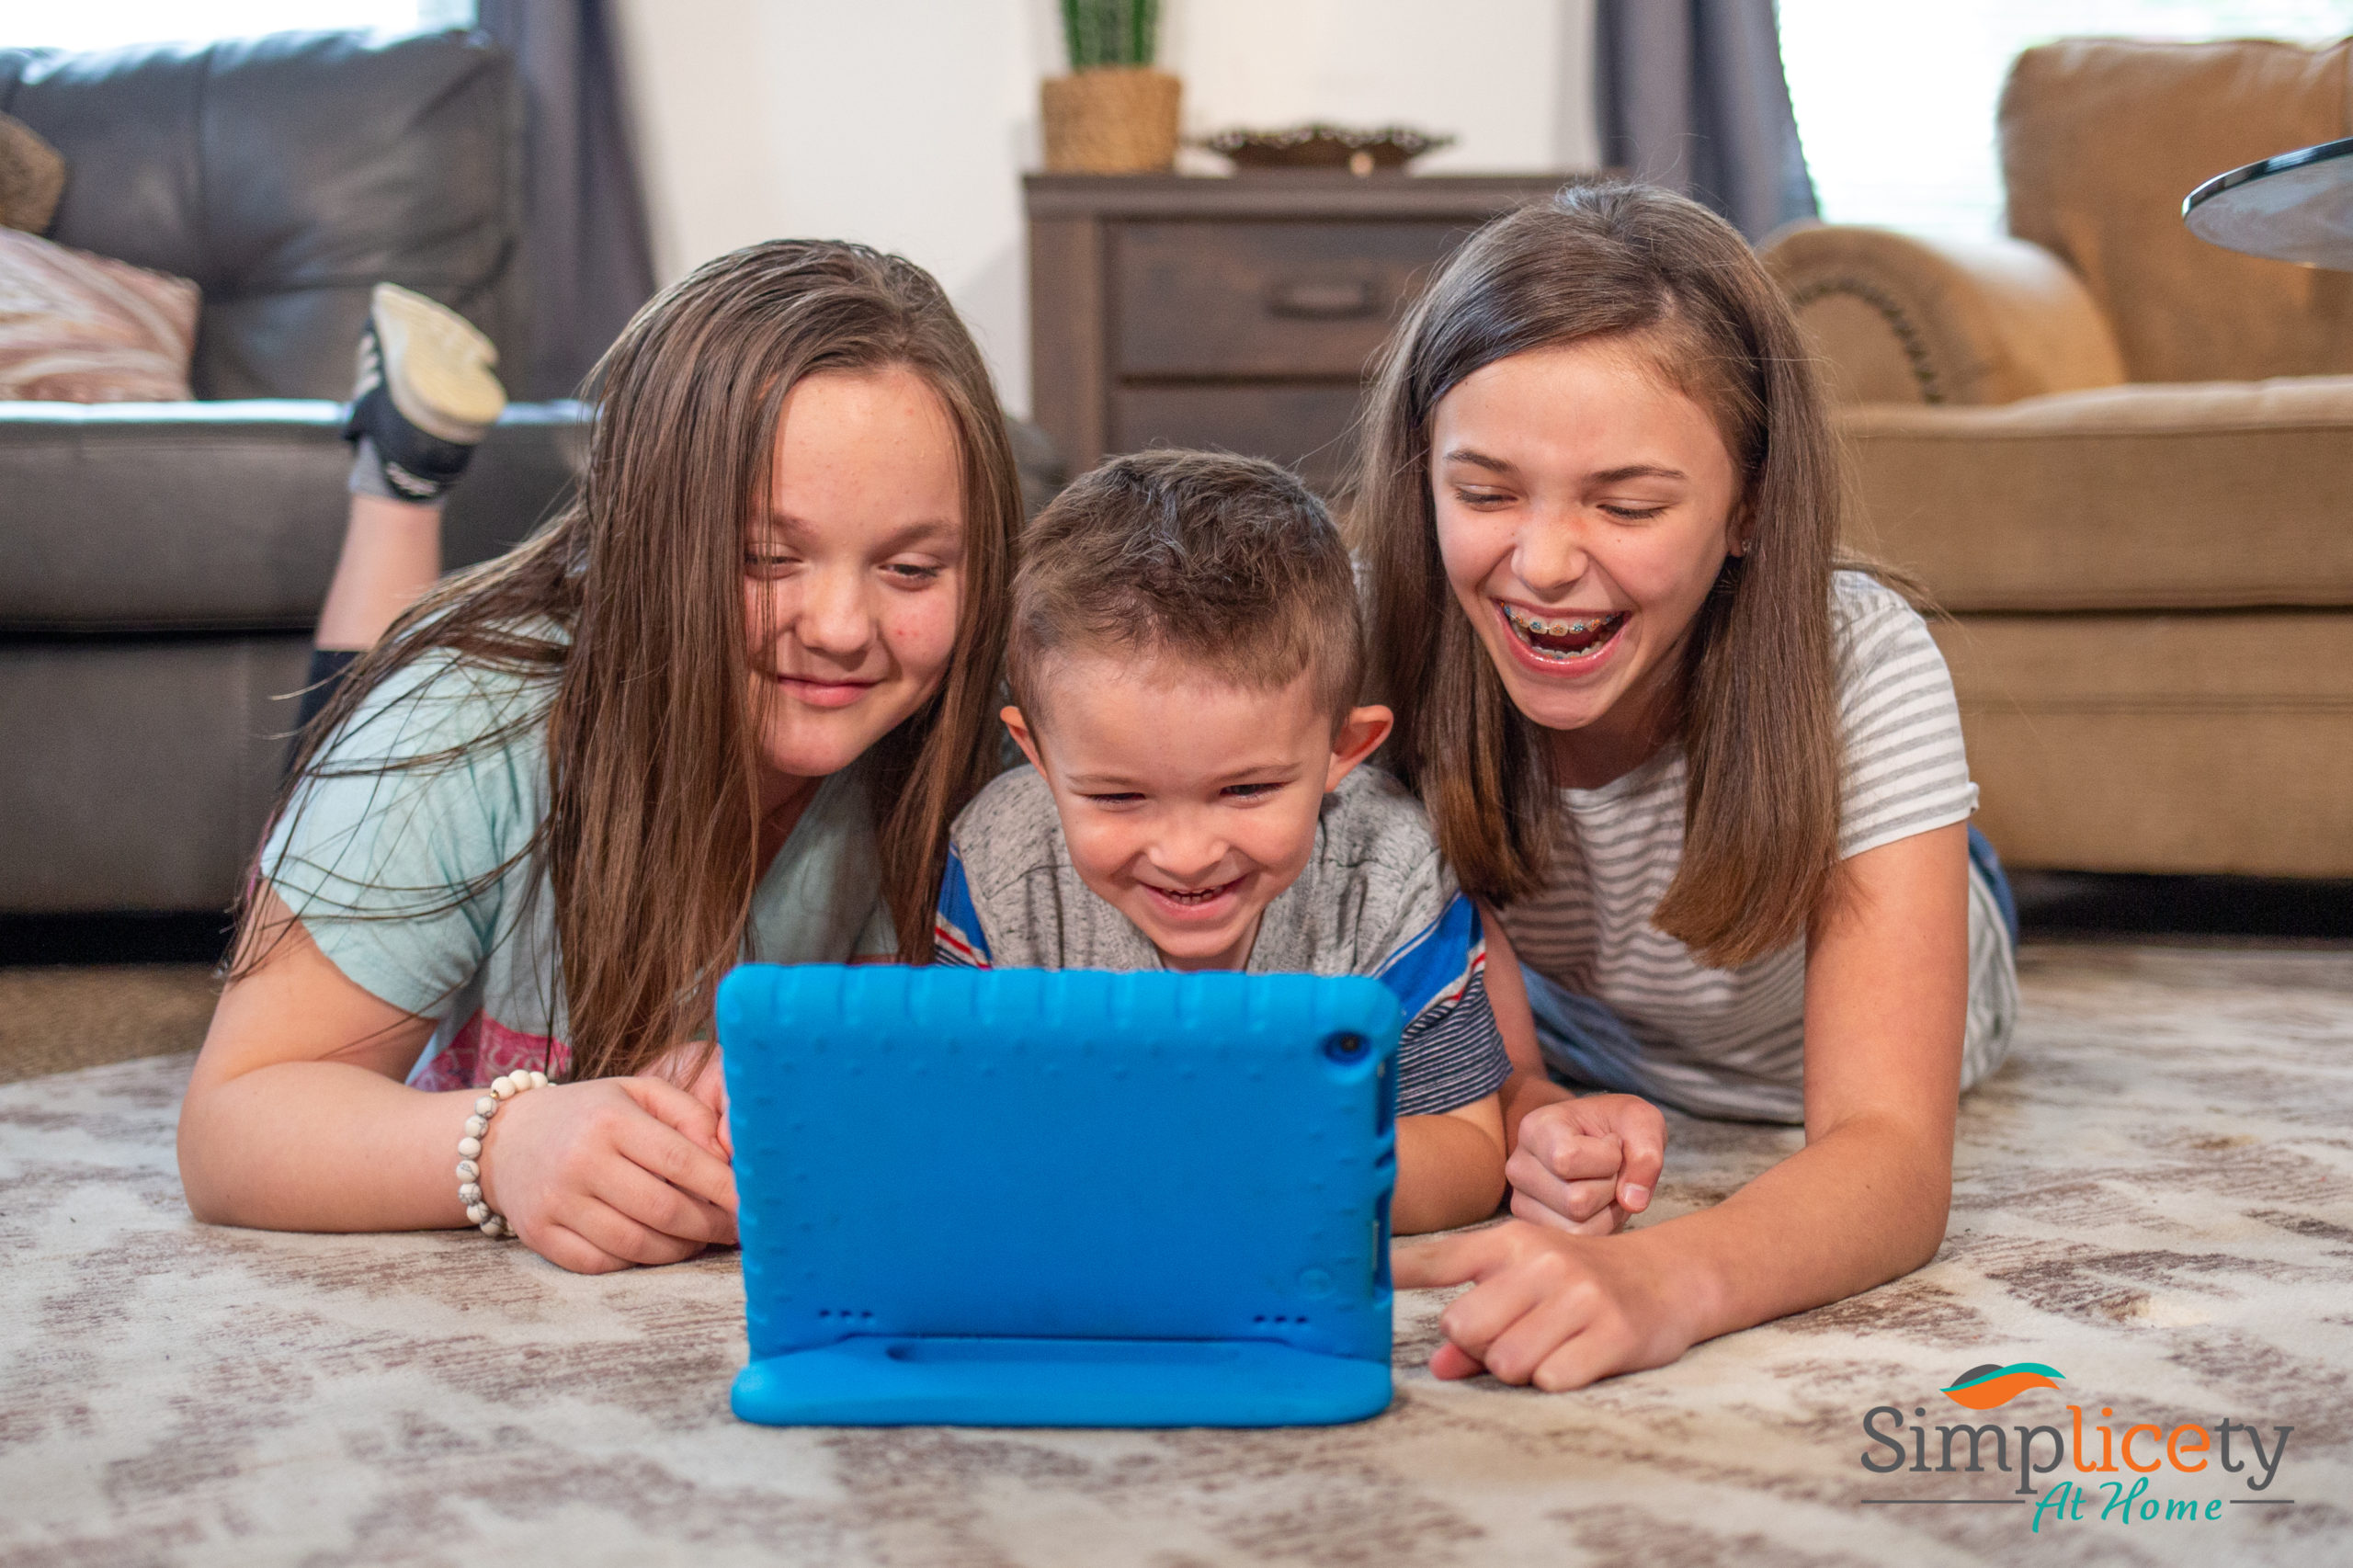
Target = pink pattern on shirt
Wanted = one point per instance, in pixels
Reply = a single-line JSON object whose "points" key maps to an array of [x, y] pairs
{"points": [[486, 1048]]}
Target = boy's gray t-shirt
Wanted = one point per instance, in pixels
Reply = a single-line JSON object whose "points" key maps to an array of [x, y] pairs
{"points": [[1376, 899]]}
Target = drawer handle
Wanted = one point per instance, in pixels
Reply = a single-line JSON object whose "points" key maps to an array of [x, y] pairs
{"points": [[1325, 299]]}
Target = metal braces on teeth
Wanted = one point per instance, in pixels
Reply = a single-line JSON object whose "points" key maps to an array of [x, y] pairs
{"points": [[1540, 628]]}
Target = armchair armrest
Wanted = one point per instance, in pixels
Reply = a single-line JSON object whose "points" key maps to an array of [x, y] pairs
{"points": [[1906, 319]]}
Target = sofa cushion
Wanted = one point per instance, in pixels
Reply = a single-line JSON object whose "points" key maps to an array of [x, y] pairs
{"points": [[2202, 496], [227, 515], [2184, 743], [148, 771], [288, 176], [82, 328], [32, 176], [2101, 141]]}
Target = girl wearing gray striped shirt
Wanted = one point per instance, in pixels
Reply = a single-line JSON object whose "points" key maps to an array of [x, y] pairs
{"points": [[1714, 785]]}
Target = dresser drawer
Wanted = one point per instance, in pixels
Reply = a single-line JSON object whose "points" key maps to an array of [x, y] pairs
{"points": [[1304, 427], [1265, 298]]}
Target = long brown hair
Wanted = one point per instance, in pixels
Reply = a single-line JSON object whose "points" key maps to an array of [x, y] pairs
{"points": [[630, 605], [1759, 711]]}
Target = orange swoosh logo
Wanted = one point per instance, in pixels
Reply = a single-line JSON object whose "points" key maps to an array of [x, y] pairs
{"points": [[1984, 1388]]}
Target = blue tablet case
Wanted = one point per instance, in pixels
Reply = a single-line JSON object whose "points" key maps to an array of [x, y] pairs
{"points": [[1017, 1197]]}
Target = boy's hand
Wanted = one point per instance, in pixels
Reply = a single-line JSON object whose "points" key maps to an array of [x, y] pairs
{"points": [[1584, 1165], [600, 1175]]}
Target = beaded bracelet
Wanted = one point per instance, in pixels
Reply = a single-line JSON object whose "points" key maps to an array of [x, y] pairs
{"points": [[470, 1150]]}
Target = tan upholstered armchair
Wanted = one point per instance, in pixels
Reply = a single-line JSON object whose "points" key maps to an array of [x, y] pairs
{"points": [[2123, 460]]}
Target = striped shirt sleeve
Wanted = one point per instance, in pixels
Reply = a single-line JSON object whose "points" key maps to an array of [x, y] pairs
{"points": [[1907, 771], [955, 934], [1452, 1054]]}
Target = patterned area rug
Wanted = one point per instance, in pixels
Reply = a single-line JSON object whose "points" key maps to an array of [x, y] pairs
{"points": [[2154, 1201]]}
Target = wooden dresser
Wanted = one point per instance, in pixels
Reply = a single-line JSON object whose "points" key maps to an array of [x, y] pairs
{"points": [[1240, 313]]}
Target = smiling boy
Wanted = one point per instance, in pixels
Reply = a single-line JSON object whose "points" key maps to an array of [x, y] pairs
{"points": [[1186, 653]]}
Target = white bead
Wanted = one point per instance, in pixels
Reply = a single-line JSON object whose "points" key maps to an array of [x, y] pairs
{"points": [[470, 1147], [477, 1213], [469, 1171], [484, 1106], [503, 1088], [538, 1079], [469, 1193], [494, 1227], [476, 1126]]}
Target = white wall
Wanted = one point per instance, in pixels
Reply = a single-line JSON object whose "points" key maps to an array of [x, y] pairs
{"points": [[908, 123]]}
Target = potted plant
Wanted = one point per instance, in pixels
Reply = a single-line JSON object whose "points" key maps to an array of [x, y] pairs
{"points": [[1113, 114]]}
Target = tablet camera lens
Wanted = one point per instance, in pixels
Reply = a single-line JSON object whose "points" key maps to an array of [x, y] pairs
{"points": [[1344, 1047]]}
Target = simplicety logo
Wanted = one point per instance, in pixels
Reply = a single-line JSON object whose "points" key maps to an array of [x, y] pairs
{"points": [[2130, 1472]]}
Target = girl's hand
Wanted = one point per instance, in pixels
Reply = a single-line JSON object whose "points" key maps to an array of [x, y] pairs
{"points": [[697, 1068], [1553, 1310], [1583, 1165], [600, 1175]]}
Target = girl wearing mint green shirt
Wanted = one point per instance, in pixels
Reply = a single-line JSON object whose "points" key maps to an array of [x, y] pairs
{"points": [[723, 707]]}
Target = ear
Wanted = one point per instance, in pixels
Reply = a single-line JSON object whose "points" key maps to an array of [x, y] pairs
{"points": [[1737, 530], [1019, 727], [1361, 734]]}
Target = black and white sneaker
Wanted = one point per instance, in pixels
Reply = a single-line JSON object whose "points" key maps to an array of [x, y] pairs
{"points": [[426, 393]]}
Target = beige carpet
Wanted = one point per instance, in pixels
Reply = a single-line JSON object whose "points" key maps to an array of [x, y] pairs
{"points": [[2155, 1198], [56, 1018]]}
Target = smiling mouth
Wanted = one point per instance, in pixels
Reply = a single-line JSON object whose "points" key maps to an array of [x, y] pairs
{"points": [[1562, 639], [1193, 898], [824, 692]]}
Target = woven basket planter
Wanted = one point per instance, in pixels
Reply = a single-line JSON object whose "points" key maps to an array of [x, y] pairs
{"points": [[1111, 120]]}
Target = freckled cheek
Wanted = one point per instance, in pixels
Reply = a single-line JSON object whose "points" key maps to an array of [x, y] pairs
{"points": [[1470, 548], [1664, 573], [921, 633], [768, 607]]}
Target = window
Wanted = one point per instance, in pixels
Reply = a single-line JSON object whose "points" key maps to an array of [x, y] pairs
{"points": [[107, 24], [1896, 102]]}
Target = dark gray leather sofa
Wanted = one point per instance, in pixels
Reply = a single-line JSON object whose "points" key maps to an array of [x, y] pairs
{"points": [[160, 565]]}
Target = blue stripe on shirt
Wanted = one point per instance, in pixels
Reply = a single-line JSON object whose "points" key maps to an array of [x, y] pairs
{"points": [[1433, 965], [1451, 1054], [956, 934]]}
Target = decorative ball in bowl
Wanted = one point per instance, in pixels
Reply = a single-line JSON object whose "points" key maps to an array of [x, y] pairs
{"points": [[1387, 148]]}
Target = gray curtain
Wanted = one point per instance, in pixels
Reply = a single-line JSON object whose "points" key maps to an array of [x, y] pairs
{"points": [[585, 248], [1691, 96]]}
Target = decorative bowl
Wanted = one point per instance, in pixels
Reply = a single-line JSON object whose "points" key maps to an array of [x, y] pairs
{"points": [[1318, 146]]}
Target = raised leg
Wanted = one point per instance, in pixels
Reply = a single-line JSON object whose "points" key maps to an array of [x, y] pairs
{"points": [[425, 396]]}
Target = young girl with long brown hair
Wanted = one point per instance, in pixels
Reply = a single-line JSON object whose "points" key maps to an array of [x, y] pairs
{"points": [[723, 707], [1713, 784]]}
